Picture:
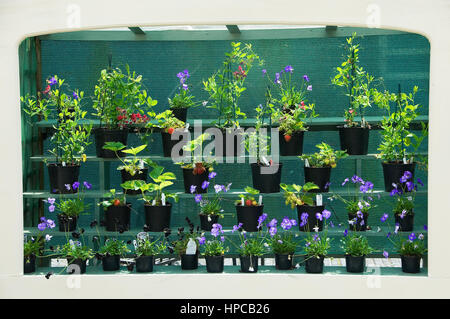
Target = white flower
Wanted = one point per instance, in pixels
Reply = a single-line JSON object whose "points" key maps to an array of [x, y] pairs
{"points": [[48, 237], [316, 229]]}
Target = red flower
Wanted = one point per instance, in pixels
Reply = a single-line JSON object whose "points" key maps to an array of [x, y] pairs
{"points": [[47, 89]]}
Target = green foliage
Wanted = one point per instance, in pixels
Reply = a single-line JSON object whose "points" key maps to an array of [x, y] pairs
{"points": [[326, 157], [296, 195], [249, 194], [356, 245], [72, 207], [226, 86], [33, 246], [114, 247], [214, 247], [112, 198], [294, 120], [253, 245], [283, 243], [74, 250], [132, 165], [146, 247], [167, 120], [195, 147], [316, 245], [407, 247]]}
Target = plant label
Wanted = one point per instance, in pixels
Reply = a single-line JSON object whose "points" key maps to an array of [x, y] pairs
{"points": [[141, 163], [154, 202], [260, 200], [242, 201], [191, 247], [63, 164], [404, 160], [163, 199], [319, 200], [265, 161], [306, 162], [186, 129]]}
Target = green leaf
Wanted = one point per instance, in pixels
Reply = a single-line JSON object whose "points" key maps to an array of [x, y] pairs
{"points": [[135, 150], [113, 146], [309, 186], [251, 190]]}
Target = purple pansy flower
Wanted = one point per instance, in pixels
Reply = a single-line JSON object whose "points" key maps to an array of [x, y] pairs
{"points": [[212, 175], [52, 81], [384, 217], [319, 216], [385, 254], [75, 95], [75, 185], [87, 185], [326, 214], [289, 69], [198, 198], [412, 237], [309, 87], [205, 184], [272, 223], [193, 188], [345, 181], [306, 78], [272, 231]]}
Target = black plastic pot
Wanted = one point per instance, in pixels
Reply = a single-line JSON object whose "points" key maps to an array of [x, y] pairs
{"points": [[103, 135], [266, 183], [355, 263], [314, 265], [66, 223], [357, 225], [29, 264], [249, 262], [60, 176], [180, 113], [283, 261], [144, 264], [312, 220], [118, 217], [197, 180], [206, 224], [411, 264], [393, 172], [189, 262], [294, 146], [111, 263], [355, 140], [320, 176], [141, 175], [248, 216], [406, 223], [77, 266], [168, 143], [214, 264], [157, 217]]}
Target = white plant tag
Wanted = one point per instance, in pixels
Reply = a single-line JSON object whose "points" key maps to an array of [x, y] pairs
{"points": [[163, 199], [63, 164], [191, 248], [58, 262], [154, 202], [251, 268], [319, 200], [306, 162], [209, 218], [260, 200], [186, 129], [404, 160], [242, 201], [265, 161], [141, 164]]}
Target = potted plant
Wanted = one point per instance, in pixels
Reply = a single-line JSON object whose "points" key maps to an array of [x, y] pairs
{"points": [[360, 202], [318, 166], [196, 169], [397, 139], [156, 205], [146, 250], [316, 248], [356, 248], [404, 192], [251, 246], [309, 212], [70, 138], [293, 110], [187, 246], [119, 102], [34, 246], [354, 135], [131, 168], [111, 252], [225, 87], [76, 255], [117, 211], [282, 244], [214, 250], [210, 208], [248, 210], [182, 101], [169, 124], [69, 208]]}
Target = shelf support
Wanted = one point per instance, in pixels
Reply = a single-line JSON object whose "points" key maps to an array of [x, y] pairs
{"points": [[232, 28], [137, 30]]}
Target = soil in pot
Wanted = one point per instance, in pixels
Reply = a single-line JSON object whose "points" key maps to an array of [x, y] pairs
{"points": [[189, 262], [393, 171], [111, 263], [76, 266], [314, 265], [157, 218], [357, 225], [66, 223], [118, 217], [168, 143], [266, 179], [283, 261], [141, 175], [205, 223], [292, 145], [249, 264], [312, 221], [411, 264], [214, 264], [196, 180], [355, 264], [320, 176], [104, 135], [180, 113], [406, 223], [60, 176], [29, 264], [144, 263], [355, 140], [248, 216]]}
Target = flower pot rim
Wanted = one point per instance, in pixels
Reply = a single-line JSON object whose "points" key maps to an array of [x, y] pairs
{"points": [[410, 256], [103, 128], [348, 255], [214, 214], [310, 205], [262, 205], [62, 214], [317, 167], [397, 163], [126, 204], [296, 131], [407, 213], [259, 164], [223, 255], [167, 204], [353, 127], [59, 164], [136, 256]]}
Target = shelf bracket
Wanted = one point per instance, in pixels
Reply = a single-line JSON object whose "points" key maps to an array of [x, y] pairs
{"points": [[232, 28], [136, 30]]}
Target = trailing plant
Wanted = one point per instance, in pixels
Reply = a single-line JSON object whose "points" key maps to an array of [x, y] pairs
{"points": [[248, 197], [144, 246], [326, 157], [133, 165], [282, 243], [215, 246], [70, 207], [70, 138], [296, 195], [120, 99], [355, 244], [211, 206], [404, 193], [226, 86], [357, 83]]}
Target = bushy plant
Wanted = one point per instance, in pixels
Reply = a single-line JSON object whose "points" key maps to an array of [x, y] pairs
{"points": [[296, 195], [75, 250], [70, 207], [326, 157], [114, 247], [404, 192], [215, 246], [144, 246], [355, 244], [182, 99], [282, 242], [248, 198], [133, 165], [211, 206], [181, 243]]}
